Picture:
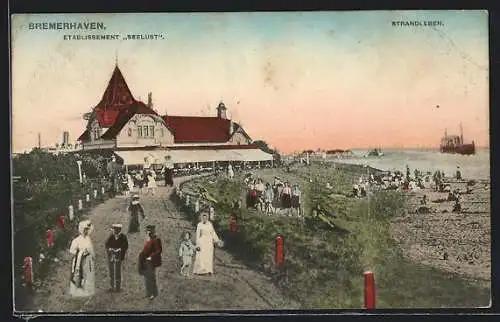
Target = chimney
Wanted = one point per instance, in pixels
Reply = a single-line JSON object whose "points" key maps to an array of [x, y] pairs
{"points": [[150, 100]]}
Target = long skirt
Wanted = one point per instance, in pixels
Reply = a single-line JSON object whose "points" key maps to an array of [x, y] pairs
{"points": [[133, 226], [286, 201], [204, 259], [295, 202], [168, 180], [88, 280]]}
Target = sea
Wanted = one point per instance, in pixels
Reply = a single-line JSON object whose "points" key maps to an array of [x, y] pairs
{"points": [[472, 166]]}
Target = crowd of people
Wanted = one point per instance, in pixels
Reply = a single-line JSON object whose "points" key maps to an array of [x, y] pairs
{"points": [[397, 180], [273, 198]]}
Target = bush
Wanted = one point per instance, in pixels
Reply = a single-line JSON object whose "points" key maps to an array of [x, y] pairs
{"points": [[48, 184]]}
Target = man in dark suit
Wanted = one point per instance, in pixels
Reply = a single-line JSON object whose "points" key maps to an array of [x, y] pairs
{"points": [[149, 260], [116, 248]]}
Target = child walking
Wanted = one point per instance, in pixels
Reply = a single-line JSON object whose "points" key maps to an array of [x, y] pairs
{"points": [[186, 252]]}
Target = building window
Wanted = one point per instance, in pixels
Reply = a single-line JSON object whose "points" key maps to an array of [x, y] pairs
{"points": [[146, 131], [129, 132]]}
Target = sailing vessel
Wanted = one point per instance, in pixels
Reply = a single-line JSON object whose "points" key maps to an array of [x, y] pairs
{"points": [[455, 144]]}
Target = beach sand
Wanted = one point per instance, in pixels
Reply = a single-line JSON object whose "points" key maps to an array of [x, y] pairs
{"points": [[455, 242]]}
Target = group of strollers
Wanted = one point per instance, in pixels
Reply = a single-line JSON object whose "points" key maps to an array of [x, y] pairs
{"points": [[272, 199]]}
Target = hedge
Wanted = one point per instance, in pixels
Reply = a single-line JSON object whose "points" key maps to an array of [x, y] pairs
{"points": [[45, 186]]}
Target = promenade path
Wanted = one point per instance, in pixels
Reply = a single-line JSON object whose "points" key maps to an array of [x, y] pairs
{"points": [[233, 286]]}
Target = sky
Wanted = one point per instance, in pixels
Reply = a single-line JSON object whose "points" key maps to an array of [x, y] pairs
{"points": [[295, 80]]}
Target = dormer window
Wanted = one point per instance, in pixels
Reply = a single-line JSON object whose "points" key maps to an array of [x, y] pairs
{"points": [[146, 131]]}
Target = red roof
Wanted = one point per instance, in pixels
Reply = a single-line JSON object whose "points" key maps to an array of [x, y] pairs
{"points": [[106, 117], [124, 116], [117, 93], [216, 147], [197, 129]]}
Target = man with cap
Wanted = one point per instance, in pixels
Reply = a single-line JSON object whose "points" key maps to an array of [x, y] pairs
{"points": [[116, 248], [149, 260]]}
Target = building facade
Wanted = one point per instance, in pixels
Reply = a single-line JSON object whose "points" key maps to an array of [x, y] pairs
{"points": [[139, 135]]}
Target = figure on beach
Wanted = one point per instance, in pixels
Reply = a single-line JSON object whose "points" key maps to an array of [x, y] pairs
{"points": [[186, 252], [268, 199], [205, 239], [149, 260], [116, 248], [82, 264], [230, 172], [136, 210]]}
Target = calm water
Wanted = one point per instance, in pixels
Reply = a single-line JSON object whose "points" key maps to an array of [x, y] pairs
{"points": [[472, 166]]}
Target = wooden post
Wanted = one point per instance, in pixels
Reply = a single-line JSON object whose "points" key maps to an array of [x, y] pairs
{"points": [[50, 238], [369, 290], [233, 226], [28, 271], [280, 250], [60, 222], [71, 212]]}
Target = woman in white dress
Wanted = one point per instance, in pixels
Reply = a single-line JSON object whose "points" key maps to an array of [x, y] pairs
{"points": [[130, 183], [230, 171], [82, 265], [152, 182], [205, 239]]}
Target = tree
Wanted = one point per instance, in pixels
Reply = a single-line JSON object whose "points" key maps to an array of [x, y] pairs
{"points": [[263, 146]]}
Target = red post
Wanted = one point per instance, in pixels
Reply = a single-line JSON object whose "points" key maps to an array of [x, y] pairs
{"points": [[280, 250], [232, 226], [50, 238], [28, 271], [60, 222], [369, 290]]}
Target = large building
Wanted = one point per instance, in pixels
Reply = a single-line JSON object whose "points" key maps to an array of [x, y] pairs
{"points": [[136, 133]]}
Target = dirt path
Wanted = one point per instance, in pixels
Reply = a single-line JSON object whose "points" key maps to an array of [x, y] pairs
{"points": [[233, 286]]}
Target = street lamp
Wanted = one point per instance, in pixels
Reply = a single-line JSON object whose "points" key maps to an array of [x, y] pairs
{"points": [[79, 162]]}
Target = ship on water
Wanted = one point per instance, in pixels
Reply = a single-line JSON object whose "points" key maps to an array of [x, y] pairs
{"points": [[455, 144]]}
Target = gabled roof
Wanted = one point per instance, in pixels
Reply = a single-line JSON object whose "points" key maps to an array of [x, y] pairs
{"points": [[85, 136], [239, 129], [106, 117], [197, 129], [124, 116], [117, 93]]}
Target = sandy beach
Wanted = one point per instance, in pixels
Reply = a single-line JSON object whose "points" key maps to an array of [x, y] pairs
{"points": [[455, 242]]}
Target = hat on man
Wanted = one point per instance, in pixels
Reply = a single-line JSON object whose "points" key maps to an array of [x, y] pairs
{"points": [[135, 196], [151, 228], [117, 226]]}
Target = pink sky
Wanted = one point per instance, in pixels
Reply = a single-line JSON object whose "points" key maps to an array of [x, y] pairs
{"points": [[333, 80]]}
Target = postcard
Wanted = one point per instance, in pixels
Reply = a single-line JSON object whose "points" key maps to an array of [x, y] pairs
{"points": [[190, 162]]}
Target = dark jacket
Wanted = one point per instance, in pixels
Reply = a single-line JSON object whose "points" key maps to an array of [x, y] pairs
{"points": [[121, 242], [153, 249]]}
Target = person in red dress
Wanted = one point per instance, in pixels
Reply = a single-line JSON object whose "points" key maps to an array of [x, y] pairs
{"points": [[149, 260]]}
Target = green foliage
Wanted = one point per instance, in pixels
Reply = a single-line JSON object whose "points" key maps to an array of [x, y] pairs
{"points": [[48, 185]]}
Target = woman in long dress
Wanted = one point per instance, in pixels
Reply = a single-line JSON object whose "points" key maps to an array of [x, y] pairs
{"points": [[152, 182], [205, 239], [82, 265]]}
